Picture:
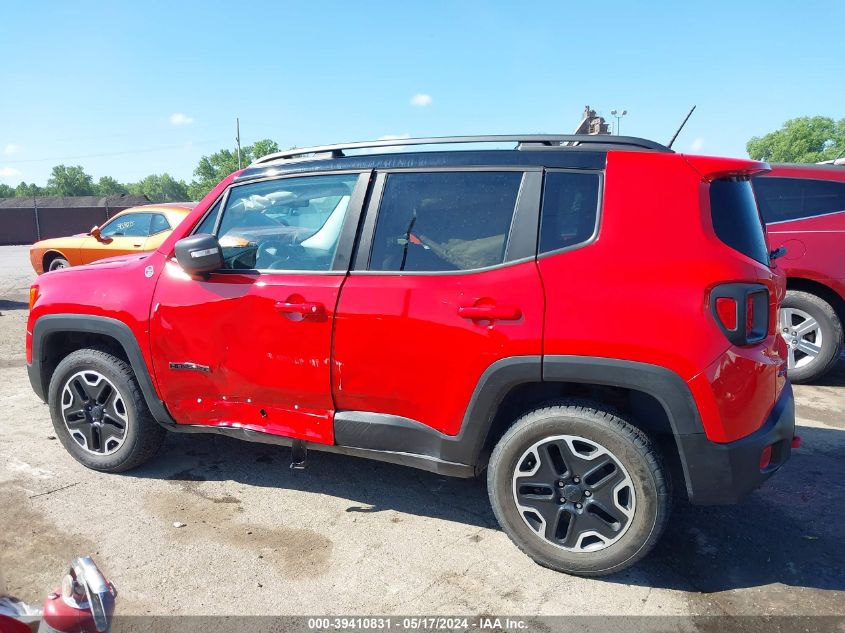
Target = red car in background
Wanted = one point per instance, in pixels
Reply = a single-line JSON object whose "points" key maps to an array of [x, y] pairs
{"points": [[804, 210]]}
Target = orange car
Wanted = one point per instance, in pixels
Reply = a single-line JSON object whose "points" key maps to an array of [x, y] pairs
{"points": [[131, 231]]}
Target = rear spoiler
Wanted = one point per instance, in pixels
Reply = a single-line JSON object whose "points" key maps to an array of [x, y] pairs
{"points": [[711, 167]]}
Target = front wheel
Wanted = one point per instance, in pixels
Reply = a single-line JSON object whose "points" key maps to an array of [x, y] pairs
{"points": [[58, 263], [813, 334], [579, 489], [99, 413]]}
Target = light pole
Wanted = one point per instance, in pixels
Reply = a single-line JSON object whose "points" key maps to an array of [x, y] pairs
{"points": [[618, 114]]}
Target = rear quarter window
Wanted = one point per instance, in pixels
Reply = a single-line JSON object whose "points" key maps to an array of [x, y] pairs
{"points": [[569, 211], [736, 220], [785, 199]]}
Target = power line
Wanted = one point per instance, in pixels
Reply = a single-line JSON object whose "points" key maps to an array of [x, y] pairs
{"points": [[102, 154]]}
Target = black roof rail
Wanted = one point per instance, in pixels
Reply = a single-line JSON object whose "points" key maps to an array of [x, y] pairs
{"points": [[523, 141]]}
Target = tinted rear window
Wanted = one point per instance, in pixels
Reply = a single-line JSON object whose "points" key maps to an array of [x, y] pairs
{"points": [[736, 219], [570, 207], [784, 199]]}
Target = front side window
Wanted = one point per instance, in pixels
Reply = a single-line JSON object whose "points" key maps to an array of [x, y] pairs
{"points": [[444, 221], [128, 225], [784, 199], [286, 224], [570, 209]]}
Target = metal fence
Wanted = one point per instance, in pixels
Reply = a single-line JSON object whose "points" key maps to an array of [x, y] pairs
{"points": [[26, 225]]}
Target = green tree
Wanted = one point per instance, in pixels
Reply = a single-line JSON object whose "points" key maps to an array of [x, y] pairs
{"points": [[70, 181], [212, 169], [801, 140], [262, 148], [6, 191], [25, 190], [108, 186], [161, 188]]}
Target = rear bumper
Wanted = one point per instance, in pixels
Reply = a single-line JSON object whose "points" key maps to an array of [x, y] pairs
{"points": [[725, 473]]}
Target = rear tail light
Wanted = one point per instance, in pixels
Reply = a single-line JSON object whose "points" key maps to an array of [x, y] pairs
{"points": [[726, 311], [741, 311]]}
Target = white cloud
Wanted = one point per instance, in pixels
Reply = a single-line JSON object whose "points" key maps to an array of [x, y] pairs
{"points": [[8, 172], [421, 100], [11, 148], [177, 118], [697, 145]]}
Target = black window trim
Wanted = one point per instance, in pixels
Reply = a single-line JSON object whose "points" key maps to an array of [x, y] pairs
{"points": [[221, 199], [522, 232], [806, 217], [345, 245], [599, 209]]}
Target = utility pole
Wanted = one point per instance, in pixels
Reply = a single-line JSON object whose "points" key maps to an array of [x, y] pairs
{"points": [[238, 139]]}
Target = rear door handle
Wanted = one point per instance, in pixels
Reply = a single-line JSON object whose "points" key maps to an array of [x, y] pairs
{"points": [[490, 313], [304, 308]]}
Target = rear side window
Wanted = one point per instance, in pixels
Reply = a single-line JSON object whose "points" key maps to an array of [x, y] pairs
{"points": [[736, 219], [784, 199], [570, 209], [158, 224], [444, 221]]}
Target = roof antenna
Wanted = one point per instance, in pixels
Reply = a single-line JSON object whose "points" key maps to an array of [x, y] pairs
{"points": [[681, 128]]}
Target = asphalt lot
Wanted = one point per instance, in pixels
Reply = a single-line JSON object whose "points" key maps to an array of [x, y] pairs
{"points": [[350, 536]]}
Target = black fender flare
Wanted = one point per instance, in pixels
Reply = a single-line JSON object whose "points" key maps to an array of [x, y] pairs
{"points": [[50, 324]]}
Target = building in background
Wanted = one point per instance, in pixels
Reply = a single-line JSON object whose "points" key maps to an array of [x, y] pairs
{"points": [[28, 220], [592, 123]]}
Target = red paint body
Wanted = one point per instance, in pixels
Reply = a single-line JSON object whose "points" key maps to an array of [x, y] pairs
{"points": [[815, 246], [415, 346]]}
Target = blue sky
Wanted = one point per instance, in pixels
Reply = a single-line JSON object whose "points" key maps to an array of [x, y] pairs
{"points": [[132, 88]]}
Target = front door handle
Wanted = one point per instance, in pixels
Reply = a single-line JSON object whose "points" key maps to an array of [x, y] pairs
{"points": [[305, 308], [490, 313]]}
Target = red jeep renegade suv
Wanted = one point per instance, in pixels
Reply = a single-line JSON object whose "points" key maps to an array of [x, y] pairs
{"points": [[590, 319], [804, 207]]}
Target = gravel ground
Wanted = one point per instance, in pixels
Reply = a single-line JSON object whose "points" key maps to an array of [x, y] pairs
{"points": [[350, 536]]}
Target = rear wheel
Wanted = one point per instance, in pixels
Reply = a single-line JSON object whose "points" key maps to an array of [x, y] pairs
{"points": [[579, 489], [99, 413], [813, 334], [57, 263]]}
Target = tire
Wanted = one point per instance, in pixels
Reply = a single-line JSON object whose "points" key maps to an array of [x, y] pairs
{"points": [[99, 413], [634, 487], [803, 319], [58, 263]]}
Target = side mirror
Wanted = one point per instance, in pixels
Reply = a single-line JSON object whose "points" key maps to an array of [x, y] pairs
{"points": [[200, 253], [95, 233]]}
